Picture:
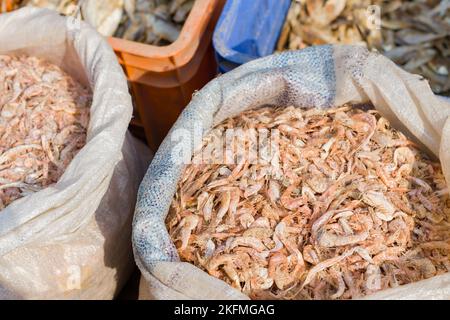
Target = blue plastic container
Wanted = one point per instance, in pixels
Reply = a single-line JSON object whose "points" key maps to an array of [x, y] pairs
{"points": [[247, 30]]}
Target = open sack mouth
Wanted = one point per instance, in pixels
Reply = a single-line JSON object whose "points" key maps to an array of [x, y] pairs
{"points": [[44, 116], [343, 207]]}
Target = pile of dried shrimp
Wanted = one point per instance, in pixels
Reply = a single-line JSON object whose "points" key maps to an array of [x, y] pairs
{"points": [[44, 114], [353, 208]]}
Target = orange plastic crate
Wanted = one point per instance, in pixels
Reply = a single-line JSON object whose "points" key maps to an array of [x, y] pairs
{"points": [[7, 5], [163, 79]]}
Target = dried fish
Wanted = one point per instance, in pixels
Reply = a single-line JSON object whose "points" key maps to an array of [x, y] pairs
{"points": [[44, 114], [156, 22], [104, 16], [353, 209], [414, 34]]}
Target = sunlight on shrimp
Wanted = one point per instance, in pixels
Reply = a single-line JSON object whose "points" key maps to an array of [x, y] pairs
{"points": [[356, 209]]}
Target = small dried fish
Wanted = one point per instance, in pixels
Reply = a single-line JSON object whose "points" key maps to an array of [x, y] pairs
{"points": [[156, 22], [353, 209], [44, 114], [414, 34], [104, 16]]}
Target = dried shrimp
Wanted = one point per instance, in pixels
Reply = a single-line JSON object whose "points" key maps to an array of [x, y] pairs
{"points": [[353, 206], [44, 114]]}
